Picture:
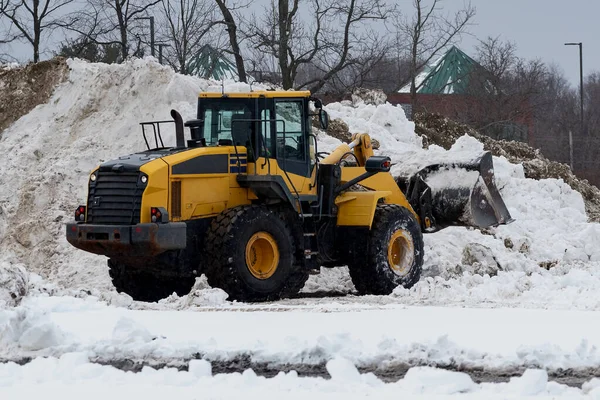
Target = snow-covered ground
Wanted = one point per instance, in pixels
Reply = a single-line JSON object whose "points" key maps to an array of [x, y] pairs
{"points": [[72, 377], [364, 333], [521, 295], [71, 332]]}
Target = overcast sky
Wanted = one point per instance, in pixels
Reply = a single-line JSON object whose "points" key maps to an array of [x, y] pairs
{"points": [[539, 28]]}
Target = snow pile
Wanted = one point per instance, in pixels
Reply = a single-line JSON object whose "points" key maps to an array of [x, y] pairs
{"points": [[437, 381], [23, 88], [436, 129], [28, 330], [48, 153], [14, 282], [201, 294], [550, 230], [385, 123], [368, 96], [9, 66]]}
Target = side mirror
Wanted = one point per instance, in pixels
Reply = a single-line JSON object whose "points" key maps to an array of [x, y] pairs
{"points": [[378, 164], [323, 119], [194, 125]]}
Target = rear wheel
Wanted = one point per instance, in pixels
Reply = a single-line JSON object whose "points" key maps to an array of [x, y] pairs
{"points": [[144, 284], [394, 253], [251, 254]]}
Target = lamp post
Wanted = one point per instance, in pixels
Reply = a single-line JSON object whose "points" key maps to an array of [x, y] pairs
{"points": [[160, 51], [151, 33], [580, 44], [580, 76]]}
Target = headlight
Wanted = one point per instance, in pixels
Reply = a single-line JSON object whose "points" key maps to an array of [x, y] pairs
{"points": [[93, 177], [144, 179]]}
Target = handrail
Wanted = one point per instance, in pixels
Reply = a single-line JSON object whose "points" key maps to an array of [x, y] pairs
{"points": [[157, 135]]}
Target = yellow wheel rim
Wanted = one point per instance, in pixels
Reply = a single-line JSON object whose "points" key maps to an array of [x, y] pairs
{"points": [[401, 252], [262, 255]]}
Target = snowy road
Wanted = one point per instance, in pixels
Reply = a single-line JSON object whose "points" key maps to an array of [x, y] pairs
{"points": [[332, 335], [308, 333]]}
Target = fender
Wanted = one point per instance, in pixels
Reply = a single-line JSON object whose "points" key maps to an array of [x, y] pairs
{"points": [[358, 208]]}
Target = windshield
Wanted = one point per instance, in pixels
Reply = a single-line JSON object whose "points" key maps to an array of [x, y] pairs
{"points": [[225, 121]]}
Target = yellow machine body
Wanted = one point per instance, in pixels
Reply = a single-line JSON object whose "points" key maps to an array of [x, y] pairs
{"points": [[191, 196]]}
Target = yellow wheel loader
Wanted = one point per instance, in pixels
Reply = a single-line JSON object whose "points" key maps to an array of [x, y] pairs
{"points": [[249, 201]]}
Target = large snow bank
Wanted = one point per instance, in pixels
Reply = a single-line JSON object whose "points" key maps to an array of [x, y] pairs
{"points": [[551, 228], [94, 116], [48, 153]]}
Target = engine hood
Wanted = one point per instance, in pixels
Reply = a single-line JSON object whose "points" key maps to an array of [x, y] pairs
{"points": [[133, 162]]}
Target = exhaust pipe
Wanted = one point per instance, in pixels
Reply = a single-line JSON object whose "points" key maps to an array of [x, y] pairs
{"points": [[178, 128], [460, 194]]}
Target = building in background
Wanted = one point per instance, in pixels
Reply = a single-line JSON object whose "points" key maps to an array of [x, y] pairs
{"points": [[458, 87]]}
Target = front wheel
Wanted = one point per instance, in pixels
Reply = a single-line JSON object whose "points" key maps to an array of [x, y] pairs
{"points": [[394, 255], [145, 283], [252, 255]]}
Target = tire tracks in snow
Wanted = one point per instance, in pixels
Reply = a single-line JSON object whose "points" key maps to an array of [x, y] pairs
{"points": [[388, 372]]}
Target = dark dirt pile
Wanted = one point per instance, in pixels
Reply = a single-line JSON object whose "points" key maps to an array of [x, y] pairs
{"points": [[23, 88], [436, 129]]}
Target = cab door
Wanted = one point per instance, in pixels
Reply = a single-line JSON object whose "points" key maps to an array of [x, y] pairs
{"points": [[292, 146]]}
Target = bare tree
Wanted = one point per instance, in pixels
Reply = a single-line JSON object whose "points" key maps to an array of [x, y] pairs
{"points": [[29, 20], [429, 31], [188, 22], [591, 103], [399, 52], [505, 91], [83, 48], [332, 38], [232, 31], [370, 69], [497, 58], [6, 36], [108, 22]]}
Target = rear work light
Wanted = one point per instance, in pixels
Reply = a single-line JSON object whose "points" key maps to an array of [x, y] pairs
{"points": [[159, 214], [80, 213]]}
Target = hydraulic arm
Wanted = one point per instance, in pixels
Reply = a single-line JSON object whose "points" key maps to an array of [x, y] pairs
{"points": [[360, 146]]}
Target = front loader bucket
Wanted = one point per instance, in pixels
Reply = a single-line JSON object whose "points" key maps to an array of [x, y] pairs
{"points": [[461, 194]]}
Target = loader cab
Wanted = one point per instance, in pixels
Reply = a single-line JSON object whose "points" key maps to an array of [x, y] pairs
{"points": [[269, 124]]}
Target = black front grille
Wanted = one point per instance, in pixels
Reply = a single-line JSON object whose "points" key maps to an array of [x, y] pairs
{"points": [[115, 198]]}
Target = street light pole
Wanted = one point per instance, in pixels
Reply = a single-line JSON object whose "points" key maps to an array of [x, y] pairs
{"points": [[160, 52], [151, 33], [580, 77], [580, 44]]}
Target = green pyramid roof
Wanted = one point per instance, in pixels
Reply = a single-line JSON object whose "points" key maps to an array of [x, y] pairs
{"points": [[449, 74], [209, 63]]}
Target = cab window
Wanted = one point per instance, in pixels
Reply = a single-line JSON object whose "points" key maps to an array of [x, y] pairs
{"points": [[226, 122], [290, 138], [266, 149]]}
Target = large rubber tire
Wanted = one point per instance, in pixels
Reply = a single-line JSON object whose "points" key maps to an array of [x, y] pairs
{"points": [[373, 273], [226, 247], [146, 286]]}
